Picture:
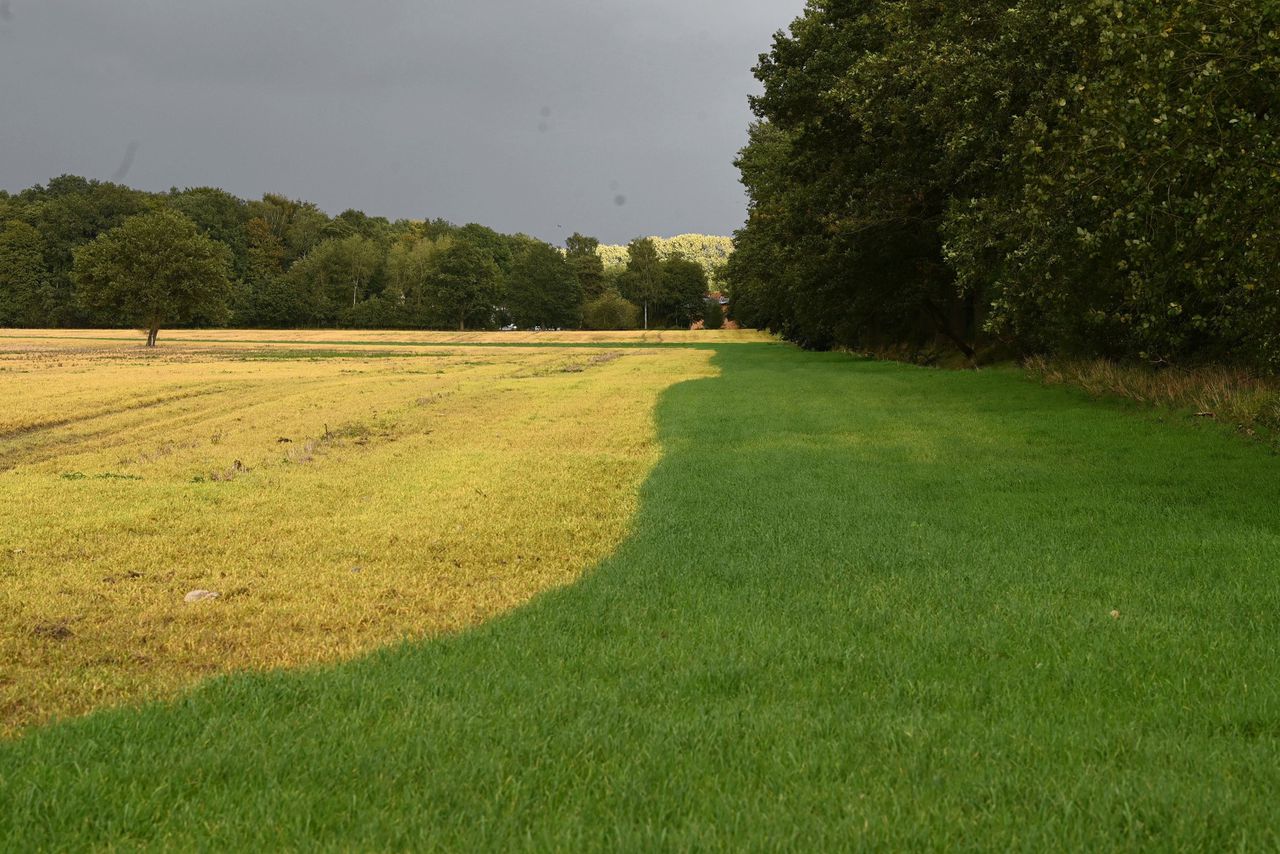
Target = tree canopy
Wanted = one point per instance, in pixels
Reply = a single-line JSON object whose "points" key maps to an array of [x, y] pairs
{"points": [[463, 283], [153, 270], [1093, 178], [293, 265], [542, 289]]}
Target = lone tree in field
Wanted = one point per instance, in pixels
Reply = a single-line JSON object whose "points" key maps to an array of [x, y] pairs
{"points": [[154, 270]]}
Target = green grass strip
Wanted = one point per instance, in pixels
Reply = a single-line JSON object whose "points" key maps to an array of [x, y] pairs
{"points": [[865, 605]]}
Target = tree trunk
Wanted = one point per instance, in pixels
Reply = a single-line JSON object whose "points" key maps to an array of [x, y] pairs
{"points": [[944, 326], [462, 323]]}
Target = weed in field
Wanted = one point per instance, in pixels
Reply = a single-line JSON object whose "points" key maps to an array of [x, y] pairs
{"points": [[227, 475]]}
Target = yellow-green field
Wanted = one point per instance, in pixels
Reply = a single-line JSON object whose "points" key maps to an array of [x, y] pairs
{"points": [[326, 337], [338, 490]]}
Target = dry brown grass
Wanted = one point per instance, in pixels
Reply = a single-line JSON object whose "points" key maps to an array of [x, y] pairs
{"points": [[1232, 396], [336, 504]]}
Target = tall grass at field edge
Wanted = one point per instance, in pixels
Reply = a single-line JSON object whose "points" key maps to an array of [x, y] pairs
{"points": [[1231, 396]]}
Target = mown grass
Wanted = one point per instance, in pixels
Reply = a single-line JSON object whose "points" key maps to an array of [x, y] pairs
{"points": [[334, 505], [864, 605]]}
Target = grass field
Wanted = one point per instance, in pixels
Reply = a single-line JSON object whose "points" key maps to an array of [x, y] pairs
{"points": [[861, 605], [336, 500]]}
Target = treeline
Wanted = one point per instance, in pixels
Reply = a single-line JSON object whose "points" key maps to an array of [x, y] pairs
{"points": [[710, 251], [67, 259], [1087, 178]]}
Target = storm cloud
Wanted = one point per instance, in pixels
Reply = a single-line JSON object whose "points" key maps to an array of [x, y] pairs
{"points": [[612, 118]]}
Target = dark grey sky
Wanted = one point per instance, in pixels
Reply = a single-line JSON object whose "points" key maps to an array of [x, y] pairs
{"points": [[526, 116]]}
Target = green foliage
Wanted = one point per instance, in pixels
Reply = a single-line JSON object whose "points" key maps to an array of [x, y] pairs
{"points": [[22, 275], [670, 292], [542, 290], [292, 265], [68, 212], [463, 285], [1140, 216], [298, 226], [683, 295], [499, 247], [155, 270], [642, 281], [410, 262], [354, 223], [583, 255], [379, 312], [610, 311], [1094, 179], [220, 216], [265, 297]]}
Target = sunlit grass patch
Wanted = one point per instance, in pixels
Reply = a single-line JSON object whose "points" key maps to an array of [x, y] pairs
{"points": [[334, 504]]}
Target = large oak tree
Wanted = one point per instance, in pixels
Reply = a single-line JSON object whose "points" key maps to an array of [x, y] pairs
{"points": [[154, 270]]}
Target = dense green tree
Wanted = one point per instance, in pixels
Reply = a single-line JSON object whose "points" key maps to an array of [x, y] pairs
{"points": [[410, 263], [299, 226], [463, 286], [1139, 214], [68, 212], [498, 246], [336, 274], [354, 223], [436, 228], [849, 177], [583, 255], [22, 275], [154, 270], [642, 281], [359, 259], [266, 297], [542, 290], [218, 215], [683, 292], [1091, 178], [610, 311]]}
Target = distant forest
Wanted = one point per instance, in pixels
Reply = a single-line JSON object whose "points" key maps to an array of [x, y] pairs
{"points": [[1019, 176], [287, 264]]}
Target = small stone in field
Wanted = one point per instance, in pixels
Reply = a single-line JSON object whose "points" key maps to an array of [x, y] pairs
{"points": [[1115, 615], [200, 596]]}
